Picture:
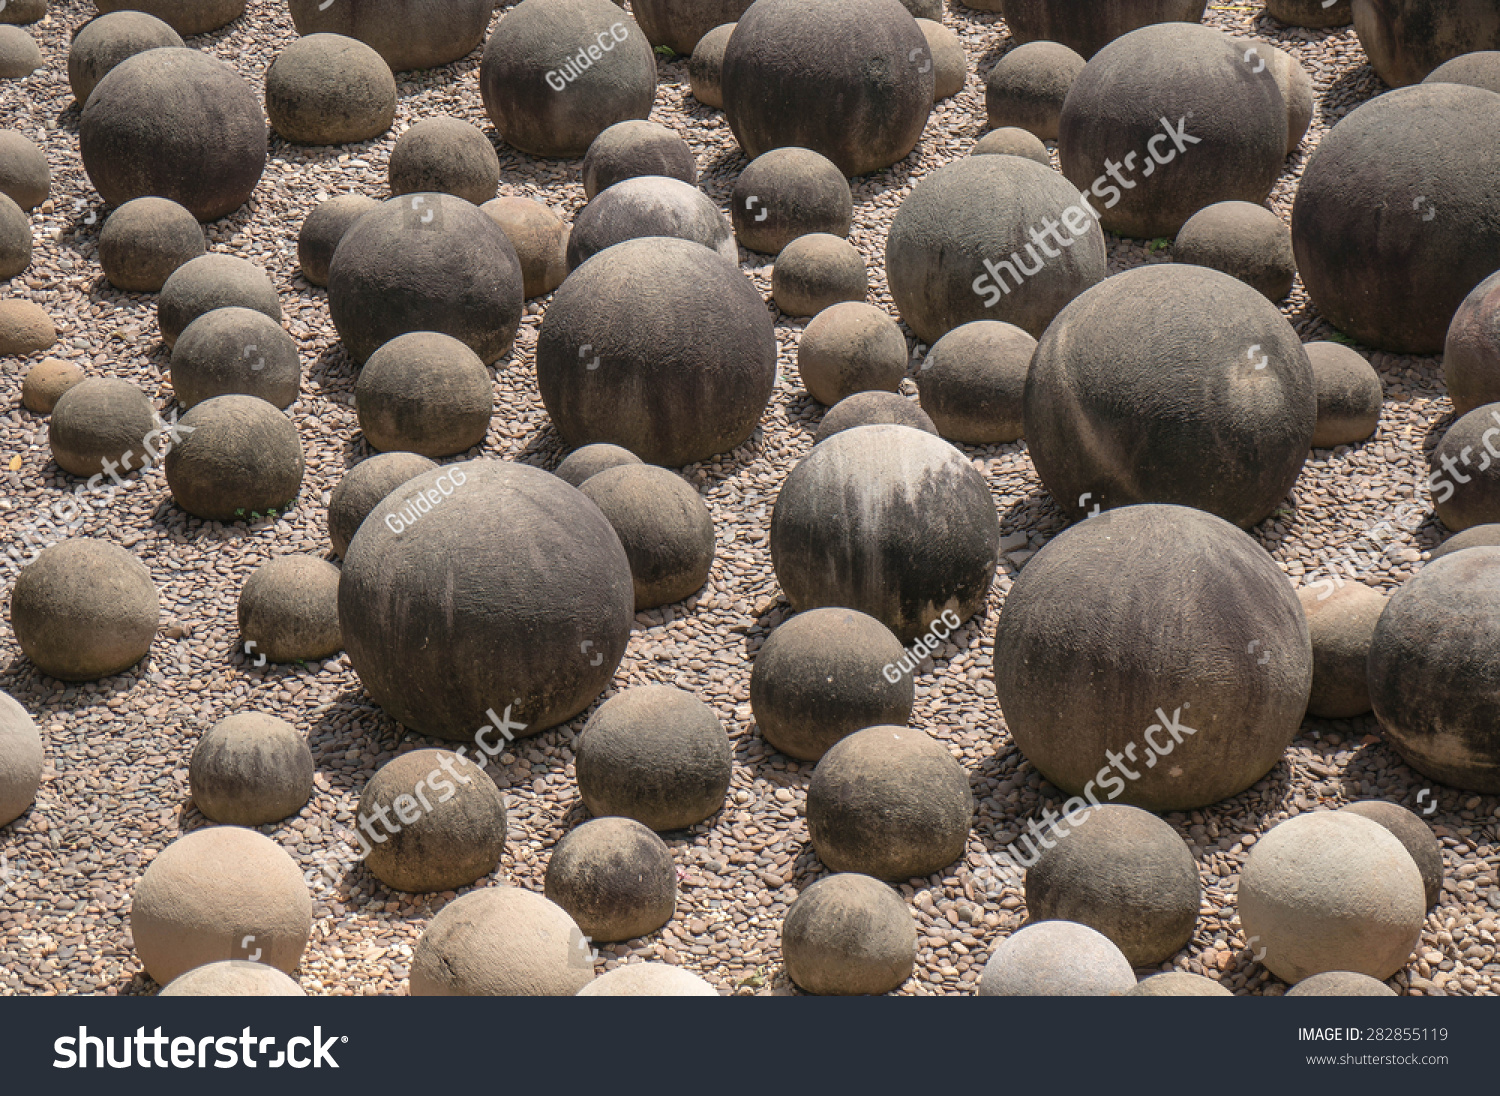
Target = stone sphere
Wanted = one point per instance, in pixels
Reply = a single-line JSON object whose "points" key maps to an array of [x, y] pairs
{"points": [[326, 89], [650, 206], [235, 351], [409, 34], [364, 487], [582, 464], [1245, 241], [434, 821], [1056, 959], [890, 521], [501, 942], [851, 347], [1428, 661], [237, 458], [186, 17], [849, 934], [973, 382], [817, 271], [147, 129], [1331, 891], [615, 878], [1310, 13], [424, 393], [825, 674], [1480, 69], [863, 104], [103, 43], [145, 241], [25, 328], [787, 193], [950, 65], [889, 802], [706, 66], [1087, 25], [664, 526], [251, 769], [1471, 350], [511, 593], [1350, 394], [445, 156], [324, 228], [22, 759], [46, 382], [23, 11], [557, 73], [648, 980], [1134, 100], [681, 24], [289, 610], [102, 424], [1341, 622], [1178, 984], [1477, 536], [19, 54], [220, 893], [25, 177], [1028, 85], [540, 237], [1123, 872], [1415, 836], [233, 978], [1010, 141], [426, 262], [872, 409], [1465, 481], [656, 754], [209, 282], [15, 239], [1417, 153], [1187, 592], [659, 346], [1292, 80], [956, 248], [1406, 39], [1340, 983], [632, 148]]}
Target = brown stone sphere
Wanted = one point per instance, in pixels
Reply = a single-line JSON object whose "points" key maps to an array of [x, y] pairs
{"points": [[615, 878], [324, 228], [364, 487], [102, 43], [289, 610], [540, 237], [251, 769], [46, 381], [445, 156]]}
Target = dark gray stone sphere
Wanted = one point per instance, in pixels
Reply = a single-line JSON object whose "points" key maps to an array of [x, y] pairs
{"points": [[145, 242], [186, 17], [364, 487], [817, 271], [25, 177], [615, 878], [1056, 959], [849, 934], [664, 526], [787, 193], [409, 34], [1406, 39], [706, 66], [973, 382], [15, 239], [1010, 141], [103, 424], [445, 156], [103, 43], [1350, 394], [850, 347], [208, 282], [681, 24], [327, 89], [1341, 983], [1465, 480], [1245, 241], [1341, 623], [632, 148], [649, 206], [1471, 349], [22, 759], [1477, 536], [540, 237], [425, 393], [324, 228], [1178, 984], [235, 351], [872, 409], [251, 769], [1028, 85], [1310, 13], [1087, 26], [1480, 69], [1415, 835], [581, 464], [289, 610], [238, 458]]}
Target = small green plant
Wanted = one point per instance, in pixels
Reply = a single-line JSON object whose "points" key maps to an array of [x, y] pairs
{"points": [[1158, 244], [1340, 337], [666, 51]]}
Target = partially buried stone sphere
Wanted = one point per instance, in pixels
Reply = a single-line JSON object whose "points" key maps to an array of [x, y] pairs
{"points": [[706, 66], [1245, 241], [103, 425], [209, 282], [24, 173], [633, 148], [1056, 959], [1465, 480], [251, 769], [1341, 621], [648, 980], [326, 89], [872, 409], [324, 227], [972, 383], [22, 759], [851, 347], [235, 351], [1471, 350], [46, 381], [540, 237], [615, 878], [849, 934], [497, 942], [786, 193], [649, 206], [238, 458], [186, 17], [288, 610], [408, 34], [816, 271], [364, 487], [426, 393], [145, 241], [233, 978], [664, 526], [447, 155], [1027, 86], [1011, 141], [1414, 834], [590, 460], [1350, 394]]}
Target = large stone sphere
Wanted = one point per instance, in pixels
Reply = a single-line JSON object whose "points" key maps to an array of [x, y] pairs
{"points": [[103, 43], [973, 382], [632, 148], [1480, 69], [540, 237], [1196, 641], [511, 592], [587, 462], [237, 458], [22, 759], [209, 282], [706, 66], [178, 124], [1471, 349], [849, 934], [409, 34], [1028, 86], [288, 610], [889, 802], [1215, 410], [1185, 121], [220, 893], [425, 393], [326, 89], [1056, 959], [1418, 153], [1310, 13], [251, 769], [362, 489], [1406, 39], [787, 193], [615, 878], [1465, 480], [100, 425], [323, 230], [664, 526], [145, 241], [1415, 836], [1341, 983], [1087, 26], [862, 103], [656, 754], [426, 262], [659, 346], [1331, 891], [649, 206], [446, 156], [1350, 394], [25, 177], [186, 17], [890, 521], [1245, 241], [648, 980], [233, 978], [1178, 984], [964, 246], [501, 942], [433, 820], [557, 73], [818, 271], [235, 351], [1429, 662], [681, 24], [872, 409], [850, 347], [1341, 622]]}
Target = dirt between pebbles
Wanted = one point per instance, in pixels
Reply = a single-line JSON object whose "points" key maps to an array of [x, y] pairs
{"points": [[115, 791]]}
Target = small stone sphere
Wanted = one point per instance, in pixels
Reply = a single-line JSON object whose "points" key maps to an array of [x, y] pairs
{"points": [[445, 156], [1480, 69], [233, 978], [1178, 984], [1089, 25], [209, 282], [235, 351], [816, 271], [251, 769], [326, 89], [19, 54], [145, 241], [501, 942], [648, 980], [25, 177], [1245, 241], [706, 66], [681, 24], [424, 393], [950, 65], [1476, 536], [851, 347], [433, 821], [102, 424], [1012, 141], [656, 754], [787, 193], [237, 458], [46, 381], [1310, 13], [1124, 872], [872, 409], [590, 460], [889, 802], [1415, 836], [25, 328], [1028, 85], [825, 674], [15, 239], [22, 759], [664, 526], [649, 206], [1341, 621], [849, 934], [1341, 983], [186, 17], [23, 11], [409, 34], [1056, 959], [220, 892], [1292, 80], [364, 487], [1331, 891], [1350, 394], [972, 382], [1465, 481], [324, 227], [103, 43], [632, 148], [1406, 39], [1471, 350], [289, 610], [615, 878], [540, 237]]}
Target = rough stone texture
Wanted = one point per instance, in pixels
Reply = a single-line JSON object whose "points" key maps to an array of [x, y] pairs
{"points": [[501, 942], [1311, 13], [46, 381], [326, 89], [1415, 836], [1350, 394], [1245, 241], [1341, 622], [1087, 26], [1340, 983], [632, 148], [1406, 39], [1465, 481], [25, 177], [146, 240], [1471, 349], [100, 425], [615, 878], [590, 460], [409, 34], [251, 769], [540, 237], [786, 193], [15, 239], [364, 487], [1028, 85], [103, 43], [19, 55], [209, 282], [186, 17], [324, 228], [817, 271], [289, 610], [949, 64], [681, 24], [872, 409], [445, 156], [1178, 984], [1292, 80], [235, 351], [424, 393], [649, 206], [706, 66], [23, 11], [664, 527], [236, 459], [233, 978], [1476, 536], [973, 382], [851, 347], [22, 759], [25, 328], [1480, 69], [648, 980], [849, 934], [1011, 141], [1056, 959]]}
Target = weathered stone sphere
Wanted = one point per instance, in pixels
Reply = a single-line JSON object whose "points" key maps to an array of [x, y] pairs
{"points": [[326, 89], [1480, 69], [103, 43], [1477, 536], [186, 17], [22, 759], [23, 11], [324, 227], [1010, 141], [1028, 85], [512, 593], [787, 193], [178, 124], [1415, 152], [872, 409], [501, 942], [890, 521], [1341, 622], [659, 346], [1350, 394], [1465, 481], [1178, 984], [233, 978], [816, 271], [615, 878], [289, 608], [145, 241], [445, 156], [1187, 591], [15, 239], [649, 206], [950, 64], [664, 526], [540, 237], [557, 73], [1245, 241], [220, 893], [1292, 80], [648, 980], [1056, 959], [46, 382], [863, 104], [235, 351], [426, 262], [102, 424], [1331, 891], [706, 66], [364, 487], [681, 24], [849, 934], [632, 148], [1415, 836], [237, 458], [1471, 351], [425, 393], [1406, 39], [973, 382], [656, 754], [84, 609], [436, 822], [958, 246], [1088, 26], [889, 802], [25, 328], [582, 464], [409, 34], [25, 177], [1310, 13], [1340, 983], [19, 54], [850, 347], [209, 282], [250, 769]]}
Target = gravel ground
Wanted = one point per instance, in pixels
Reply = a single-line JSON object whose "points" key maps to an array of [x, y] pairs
{"points": [[115, 791]]}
